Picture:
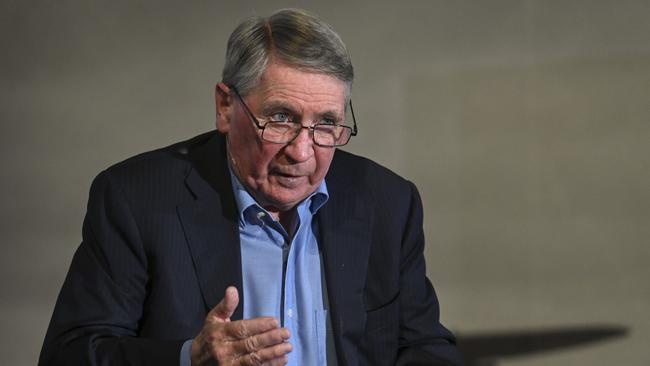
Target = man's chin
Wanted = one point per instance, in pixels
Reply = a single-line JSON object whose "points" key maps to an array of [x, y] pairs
{"points": [[284, 200], [290, 182]]}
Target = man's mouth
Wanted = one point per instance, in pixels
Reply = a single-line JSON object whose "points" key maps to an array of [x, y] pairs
{"points": [[287, 175], [289, 180]]}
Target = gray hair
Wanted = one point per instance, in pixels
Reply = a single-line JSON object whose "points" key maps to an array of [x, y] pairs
{"points": [[290, 36]]}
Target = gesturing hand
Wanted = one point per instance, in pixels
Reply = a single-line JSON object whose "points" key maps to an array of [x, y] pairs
{"points": [[257, 341]]}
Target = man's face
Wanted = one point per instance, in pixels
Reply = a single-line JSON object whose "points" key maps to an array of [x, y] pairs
{"points": [[279, 176]]}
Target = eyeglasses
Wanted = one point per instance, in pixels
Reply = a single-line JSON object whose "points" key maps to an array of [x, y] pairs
{"points": [[283, 131]]}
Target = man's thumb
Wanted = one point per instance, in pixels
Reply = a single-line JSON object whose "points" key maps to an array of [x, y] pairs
{"points": [[226, 307]]}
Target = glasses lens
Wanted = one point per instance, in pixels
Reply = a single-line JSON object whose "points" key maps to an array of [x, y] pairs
{"points": [[280, 132], [324, 135], [331, 135]]}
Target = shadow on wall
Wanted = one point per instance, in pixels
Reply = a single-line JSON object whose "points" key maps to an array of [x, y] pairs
{"points": [[486, 349]]}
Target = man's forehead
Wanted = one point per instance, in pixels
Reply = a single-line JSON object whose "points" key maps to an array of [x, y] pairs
{"points": [[335, 110], [300, 101], [282, 81]]}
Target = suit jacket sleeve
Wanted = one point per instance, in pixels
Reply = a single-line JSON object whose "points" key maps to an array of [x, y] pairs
{"points": [[423, 340], [96, 317]]}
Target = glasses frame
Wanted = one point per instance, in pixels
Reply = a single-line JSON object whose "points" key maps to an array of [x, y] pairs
{"points": [[311, 128]]}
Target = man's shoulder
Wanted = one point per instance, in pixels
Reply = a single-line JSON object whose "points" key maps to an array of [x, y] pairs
{"points": [[355, 170], [369, 182], [176, 157], [161, 172]]}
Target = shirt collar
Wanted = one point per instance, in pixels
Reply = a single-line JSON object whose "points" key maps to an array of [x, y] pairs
{"points": [[245, 201]]}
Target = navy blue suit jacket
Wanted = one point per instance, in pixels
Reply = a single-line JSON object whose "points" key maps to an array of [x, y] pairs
{"points": [[161, 244]]}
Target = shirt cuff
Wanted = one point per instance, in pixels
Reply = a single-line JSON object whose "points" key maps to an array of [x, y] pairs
{"points": [[186, 353]]}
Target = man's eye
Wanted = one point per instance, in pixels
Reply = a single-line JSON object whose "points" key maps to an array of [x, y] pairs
{"points": [[328, 121], [280, 117]]}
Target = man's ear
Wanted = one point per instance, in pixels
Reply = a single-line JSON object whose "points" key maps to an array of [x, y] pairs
{"points": [[224, 107]]}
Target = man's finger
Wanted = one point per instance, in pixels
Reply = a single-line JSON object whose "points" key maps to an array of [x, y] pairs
{"points": [[270, 355], [242, 329], [281, 361], [226, 307], [261, 341]]}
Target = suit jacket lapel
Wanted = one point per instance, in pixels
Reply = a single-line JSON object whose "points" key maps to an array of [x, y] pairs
{"points": [[344, 226], [210, 224]]}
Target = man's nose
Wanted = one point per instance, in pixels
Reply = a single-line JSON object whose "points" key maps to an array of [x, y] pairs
{"points": [[301, 148]]}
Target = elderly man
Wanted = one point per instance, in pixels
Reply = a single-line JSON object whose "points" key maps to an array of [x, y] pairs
{"points": [[259, 243]]}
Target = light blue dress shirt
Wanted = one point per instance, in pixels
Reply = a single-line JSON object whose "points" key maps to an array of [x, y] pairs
{"points": [[282, 274]]}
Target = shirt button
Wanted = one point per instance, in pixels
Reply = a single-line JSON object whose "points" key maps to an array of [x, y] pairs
{"points": [[290, 313], [260, 218]]}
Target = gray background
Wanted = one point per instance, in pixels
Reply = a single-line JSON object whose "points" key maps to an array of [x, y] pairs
{"points": [[523, 123]]}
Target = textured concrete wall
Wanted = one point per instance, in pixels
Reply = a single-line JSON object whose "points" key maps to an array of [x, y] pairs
{"points": [[523, 123]]}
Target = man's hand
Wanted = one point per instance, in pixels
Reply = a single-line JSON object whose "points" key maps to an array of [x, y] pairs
{"points": [[258, 341]]}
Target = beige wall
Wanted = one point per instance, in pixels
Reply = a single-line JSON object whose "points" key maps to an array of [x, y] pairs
{"points": [[523, 123]]}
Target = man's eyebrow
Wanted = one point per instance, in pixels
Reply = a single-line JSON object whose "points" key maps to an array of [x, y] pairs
{"points": [[274, 106], [277, 105], [331, 114]]}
